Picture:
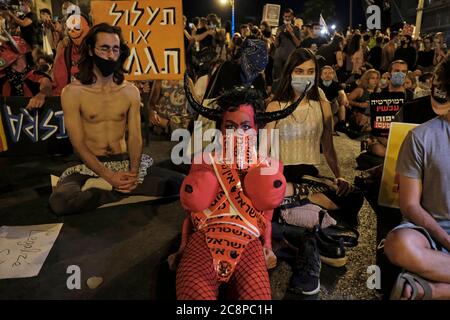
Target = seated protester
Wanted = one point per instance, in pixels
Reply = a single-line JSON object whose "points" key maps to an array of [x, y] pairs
{"points": [[167, 106], [421, 245], [440, 48], [411, 81], [17, 76], [212, 195], [398, 70], [385, 80], [98, 108], [359, 101], [336, 95], [301, 135]]}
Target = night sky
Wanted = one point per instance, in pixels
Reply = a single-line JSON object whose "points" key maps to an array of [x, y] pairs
{"points": [[251, 10]]}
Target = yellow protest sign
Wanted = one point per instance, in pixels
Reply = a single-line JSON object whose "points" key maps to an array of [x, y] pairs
{"points": [[389, 194], [153, 29]]}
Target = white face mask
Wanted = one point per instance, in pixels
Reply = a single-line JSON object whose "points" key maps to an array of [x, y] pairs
{"points": [[302, 84], [327, 83], [383, 82], [287, 21]]}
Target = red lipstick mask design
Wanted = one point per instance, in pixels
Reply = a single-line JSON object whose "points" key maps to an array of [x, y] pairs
{"points": [[240, 149]]}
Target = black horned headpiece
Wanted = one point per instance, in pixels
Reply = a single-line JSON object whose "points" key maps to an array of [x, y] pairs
{"points": [[240, 95]]}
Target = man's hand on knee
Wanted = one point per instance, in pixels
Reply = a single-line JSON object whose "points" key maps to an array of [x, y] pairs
{"points": [[123, 182]]}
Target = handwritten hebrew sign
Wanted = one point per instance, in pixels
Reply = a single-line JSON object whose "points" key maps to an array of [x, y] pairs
{"points": [[23, 249], [153, 29], [25, 131]]}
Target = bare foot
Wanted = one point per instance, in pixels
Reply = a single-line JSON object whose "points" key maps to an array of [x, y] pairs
{"points": [[271, 258], [408, 291], [173, 260]]}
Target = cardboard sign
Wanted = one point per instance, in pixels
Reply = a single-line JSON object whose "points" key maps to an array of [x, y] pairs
{"points": [[24, 132], [383, 108], [153, 29], [23, 249], [388, 195], [271, 14]]}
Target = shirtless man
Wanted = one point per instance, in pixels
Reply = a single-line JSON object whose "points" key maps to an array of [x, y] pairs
{"points": [[98, 108]]}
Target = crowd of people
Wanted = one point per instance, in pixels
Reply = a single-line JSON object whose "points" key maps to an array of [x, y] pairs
{"points": [[299, 79]]}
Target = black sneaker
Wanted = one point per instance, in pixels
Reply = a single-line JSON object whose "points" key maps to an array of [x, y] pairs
{"points": [[341, 126], [331, 253], [306, 277]]}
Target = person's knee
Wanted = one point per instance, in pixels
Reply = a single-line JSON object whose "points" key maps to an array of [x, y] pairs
{"points": [[402, 248], [59, 203]]}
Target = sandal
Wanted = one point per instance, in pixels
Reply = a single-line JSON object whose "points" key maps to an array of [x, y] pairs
{"points": [[411, 279]]}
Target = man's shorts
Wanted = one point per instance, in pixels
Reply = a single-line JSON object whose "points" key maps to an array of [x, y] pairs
{"points": [[433, 243]]}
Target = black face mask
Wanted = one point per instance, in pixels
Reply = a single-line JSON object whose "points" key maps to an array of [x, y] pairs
{"points": [[106, 67], [267, 33], [44, 68], [439, 95]]}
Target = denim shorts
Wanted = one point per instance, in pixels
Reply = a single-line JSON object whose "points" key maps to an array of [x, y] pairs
{"points": [[433, 243]]}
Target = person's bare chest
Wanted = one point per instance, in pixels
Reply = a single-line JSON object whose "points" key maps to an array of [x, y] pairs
{"points": [[104, 106]]}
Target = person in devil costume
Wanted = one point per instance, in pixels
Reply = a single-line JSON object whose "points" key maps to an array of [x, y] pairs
{"points": [[227, 235]]}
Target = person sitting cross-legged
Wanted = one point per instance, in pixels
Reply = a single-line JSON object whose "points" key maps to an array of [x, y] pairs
{"points": [[422, 245]]}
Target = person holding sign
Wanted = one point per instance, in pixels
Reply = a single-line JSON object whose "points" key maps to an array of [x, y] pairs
{"points": [[398, 70], [98, 108], [421, 245]]}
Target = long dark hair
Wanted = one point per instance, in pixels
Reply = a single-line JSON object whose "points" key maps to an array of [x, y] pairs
{"points": [[86, 64], [231, 100], [285, 93]]}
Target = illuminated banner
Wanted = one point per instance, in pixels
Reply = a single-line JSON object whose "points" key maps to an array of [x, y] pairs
{"points": [[153, 30], [383, 108], [29, 132]]}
